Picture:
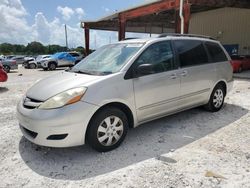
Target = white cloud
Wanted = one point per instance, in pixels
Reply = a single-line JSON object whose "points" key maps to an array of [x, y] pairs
{"points": [[54, 33], [15, 28], [66, 12], [80, 12]]}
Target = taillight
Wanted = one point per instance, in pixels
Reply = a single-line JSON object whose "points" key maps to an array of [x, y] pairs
{"points": [[13, 62]]}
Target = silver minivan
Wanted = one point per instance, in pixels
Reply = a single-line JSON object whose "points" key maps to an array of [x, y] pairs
{"points": [[123, 85]]}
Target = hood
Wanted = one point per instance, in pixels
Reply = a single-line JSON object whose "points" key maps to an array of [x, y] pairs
{"points": [[43, 60], [51, 86]]}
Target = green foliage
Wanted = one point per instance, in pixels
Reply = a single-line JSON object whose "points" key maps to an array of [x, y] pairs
{"points": [[34, 48]]}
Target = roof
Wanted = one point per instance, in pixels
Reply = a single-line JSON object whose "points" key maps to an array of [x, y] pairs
{"points": [[162, 21], [170, 36]]}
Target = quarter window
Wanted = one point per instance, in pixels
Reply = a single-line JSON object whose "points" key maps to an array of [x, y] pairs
{"points": [[191, 52], [160, 55], [215, 51]]}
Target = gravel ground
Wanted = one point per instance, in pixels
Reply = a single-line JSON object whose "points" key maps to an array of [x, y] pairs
{"points": [[176, 151]]}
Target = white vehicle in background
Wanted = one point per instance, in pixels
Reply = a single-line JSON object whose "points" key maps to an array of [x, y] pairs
{"points": [[27, 60], [36, 63]]}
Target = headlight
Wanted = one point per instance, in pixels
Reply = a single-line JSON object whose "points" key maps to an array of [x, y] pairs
{"points": [[65, 98]]}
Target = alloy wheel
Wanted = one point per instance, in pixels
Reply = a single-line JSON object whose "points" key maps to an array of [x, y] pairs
{"points": [[218, 98], [110, 131]]}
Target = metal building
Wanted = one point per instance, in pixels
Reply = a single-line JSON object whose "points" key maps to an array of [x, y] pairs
{"points": [[226, 20], [229, 25]]}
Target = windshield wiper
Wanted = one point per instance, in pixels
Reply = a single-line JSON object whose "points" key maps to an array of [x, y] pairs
{"points": [[83, 72], [105, 73]]}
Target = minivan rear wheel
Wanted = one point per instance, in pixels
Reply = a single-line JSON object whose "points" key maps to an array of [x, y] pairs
{"points": [[107, 129], [216, 100]]}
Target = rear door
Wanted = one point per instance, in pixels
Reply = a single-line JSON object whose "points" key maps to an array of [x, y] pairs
{"points": [[66, 60], [156, 93], [197, 73]]}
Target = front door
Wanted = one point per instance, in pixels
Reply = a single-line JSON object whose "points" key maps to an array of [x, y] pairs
{"points": [[156, 93]]}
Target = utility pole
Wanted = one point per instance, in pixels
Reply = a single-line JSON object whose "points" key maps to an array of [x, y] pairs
{"points": [[66, 36]]}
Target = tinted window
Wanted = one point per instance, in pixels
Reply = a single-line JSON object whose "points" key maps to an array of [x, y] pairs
{"points": [[74, 54], [191, 52], [160, 55], [215, 51]]}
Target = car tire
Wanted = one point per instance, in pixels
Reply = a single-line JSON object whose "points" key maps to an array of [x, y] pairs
{"points": [[32, 66], [45, 69], [216, 100], [52, 66], [6, 68], [107, 129]]}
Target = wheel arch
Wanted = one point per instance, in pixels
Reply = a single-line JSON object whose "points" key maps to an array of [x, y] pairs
{"points": [[118, 105], [223, 83], [52, 62]]}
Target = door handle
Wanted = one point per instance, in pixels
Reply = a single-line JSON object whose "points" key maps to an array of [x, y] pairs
{"points": [[173, 76], [184, 73]]}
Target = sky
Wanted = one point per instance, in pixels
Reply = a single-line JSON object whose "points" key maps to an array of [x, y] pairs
{"points": [[24, 21]]}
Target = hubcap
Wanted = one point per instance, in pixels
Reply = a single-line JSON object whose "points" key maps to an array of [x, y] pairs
{"points": [[110, 131], [218, 98]]}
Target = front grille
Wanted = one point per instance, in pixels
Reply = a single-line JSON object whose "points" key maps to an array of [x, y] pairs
{"points": [[30, 133], [31, 103]]}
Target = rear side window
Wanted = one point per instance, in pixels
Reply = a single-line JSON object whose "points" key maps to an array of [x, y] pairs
{"points": [[215, 51], [191, 52]]}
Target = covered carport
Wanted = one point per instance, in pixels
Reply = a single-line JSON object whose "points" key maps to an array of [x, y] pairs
{"points": [[156, 17]]}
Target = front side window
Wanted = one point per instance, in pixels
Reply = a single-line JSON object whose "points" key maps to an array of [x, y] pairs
{"points": [[215, 51], [191, 52], [159, 55]]}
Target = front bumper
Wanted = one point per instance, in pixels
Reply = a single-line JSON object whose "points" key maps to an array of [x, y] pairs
{"points": [[39, 126]]}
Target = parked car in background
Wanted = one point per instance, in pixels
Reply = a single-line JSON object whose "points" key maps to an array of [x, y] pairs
{"points": [[33, 64], [8, 64], [240, 63], [18, 59], [27, 60], [10, 56], [77, 55], [3, 74], [123, 85], [61, 59]]}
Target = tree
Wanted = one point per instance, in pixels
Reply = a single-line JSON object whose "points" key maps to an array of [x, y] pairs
{"points": [[6, 48], [35, 48]]}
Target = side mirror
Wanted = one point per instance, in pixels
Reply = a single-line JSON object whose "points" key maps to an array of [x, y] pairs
{"points": [[144, 69]]}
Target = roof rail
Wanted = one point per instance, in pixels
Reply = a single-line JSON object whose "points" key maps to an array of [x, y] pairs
{"points": [[131, 38], [184, 35]]}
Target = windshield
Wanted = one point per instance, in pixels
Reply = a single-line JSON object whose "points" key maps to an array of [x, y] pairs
{"points": [[107, 59]]}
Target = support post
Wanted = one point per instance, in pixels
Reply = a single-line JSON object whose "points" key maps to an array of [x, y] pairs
{"points": [[177, 22], [177, 17], [186, 17], [122, 27], [86, 32]]}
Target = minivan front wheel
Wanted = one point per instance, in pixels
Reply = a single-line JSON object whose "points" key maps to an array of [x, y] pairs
{"points": [[107, 129], [216, 100]]}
